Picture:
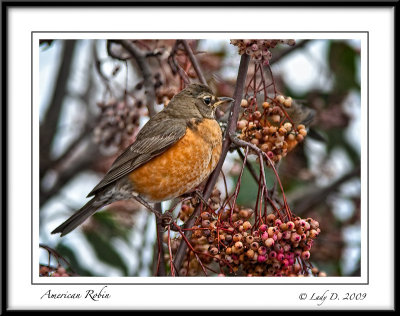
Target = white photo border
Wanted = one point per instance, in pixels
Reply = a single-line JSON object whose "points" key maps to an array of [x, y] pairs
{"points": [[25, 291]]}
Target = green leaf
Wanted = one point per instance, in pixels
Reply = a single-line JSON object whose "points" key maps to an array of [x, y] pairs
{"points": [[110, 227], [105, 251], [69, 255], [336, 137], [249, 187], [343, 63]]}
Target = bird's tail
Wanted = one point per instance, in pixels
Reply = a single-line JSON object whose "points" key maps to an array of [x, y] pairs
{"points": [[79, 217]]}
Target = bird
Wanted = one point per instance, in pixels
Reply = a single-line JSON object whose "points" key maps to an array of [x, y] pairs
{"points": [[174, 152]]}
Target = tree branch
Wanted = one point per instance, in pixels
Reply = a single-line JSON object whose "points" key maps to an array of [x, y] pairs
{"points": [[48, 128], [284, 53], [159, 249], [144, 67], [316, 197], [73, 167], [248, 165], [194, 62]]}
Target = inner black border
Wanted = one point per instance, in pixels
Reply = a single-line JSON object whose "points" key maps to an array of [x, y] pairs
{"points": [[223, 283]]}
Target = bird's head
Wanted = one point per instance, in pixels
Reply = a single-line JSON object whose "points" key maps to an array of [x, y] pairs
{"points": [[203, 99]]}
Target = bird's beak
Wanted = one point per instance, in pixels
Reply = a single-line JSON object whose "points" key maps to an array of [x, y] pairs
{"points": [[222, 100]]}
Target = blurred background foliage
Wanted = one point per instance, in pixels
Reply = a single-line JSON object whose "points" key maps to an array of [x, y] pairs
{"points": [[85, 87]]}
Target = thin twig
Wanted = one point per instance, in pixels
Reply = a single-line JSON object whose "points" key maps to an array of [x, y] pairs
{"points": [[194, 62], [97, 67], [170, 252], [243, 143], [283, 53], [248, 165], [144, 67], [236, 193], [160, 249]]}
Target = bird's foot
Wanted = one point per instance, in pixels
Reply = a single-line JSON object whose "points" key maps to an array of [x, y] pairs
{"points": [[200, 196], [166, 219]]}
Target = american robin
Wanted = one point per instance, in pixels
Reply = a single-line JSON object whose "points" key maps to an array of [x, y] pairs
{"points": [[173, 153]]}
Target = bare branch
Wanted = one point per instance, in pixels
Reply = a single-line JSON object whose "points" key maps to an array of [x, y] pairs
{"points": [[248, 165], [194, 62], [160, 270], [50, 121], [144, 67], [307, 202], [284, 53]]}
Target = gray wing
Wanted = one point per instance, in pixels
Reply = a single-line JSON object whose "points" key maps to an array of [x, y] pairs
{"points": [[155, 137]]}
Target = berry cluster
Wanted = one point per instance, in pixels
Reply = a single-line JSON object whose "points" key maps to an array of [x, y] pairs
{"points": [[47, 271], [259, 50], [243, 244], [271, 128], [118, 121], [187, 207]]}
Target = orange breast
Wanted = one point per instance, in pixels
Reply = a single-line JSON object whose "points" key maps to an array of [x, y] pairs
{"points": [[182, 167]]}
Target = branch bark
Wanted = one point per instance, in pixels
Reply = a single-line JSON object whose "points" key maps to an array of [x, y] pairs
{"points": [[144, 67], [288, 51], [48, 128], [319, 196], [194, 62], [233, 117], [159, 250], [70, 169], [248, 165]]}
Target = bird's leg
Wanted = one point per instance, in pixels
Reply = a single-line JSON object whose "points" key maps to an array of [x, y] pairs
{"points": [[147, 205], [195, 194], [166, 218], [200, 196]]}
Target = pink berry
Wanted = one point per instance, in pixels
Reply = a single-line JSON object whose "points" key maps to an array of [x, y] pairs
{"points": [[286, 234], [269, 242], [305, 255], [264, 236], [295, 237], [278, 248], [262, 251], [290, 225]]}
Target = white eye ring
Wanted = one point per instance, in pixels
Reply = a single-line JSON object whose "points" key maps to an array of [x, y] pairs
{"points": [[207, 100]]}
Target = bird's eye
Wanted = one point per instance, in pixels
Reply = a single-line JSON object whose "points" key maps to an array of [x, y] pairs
{"points": [[207, 100]]}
